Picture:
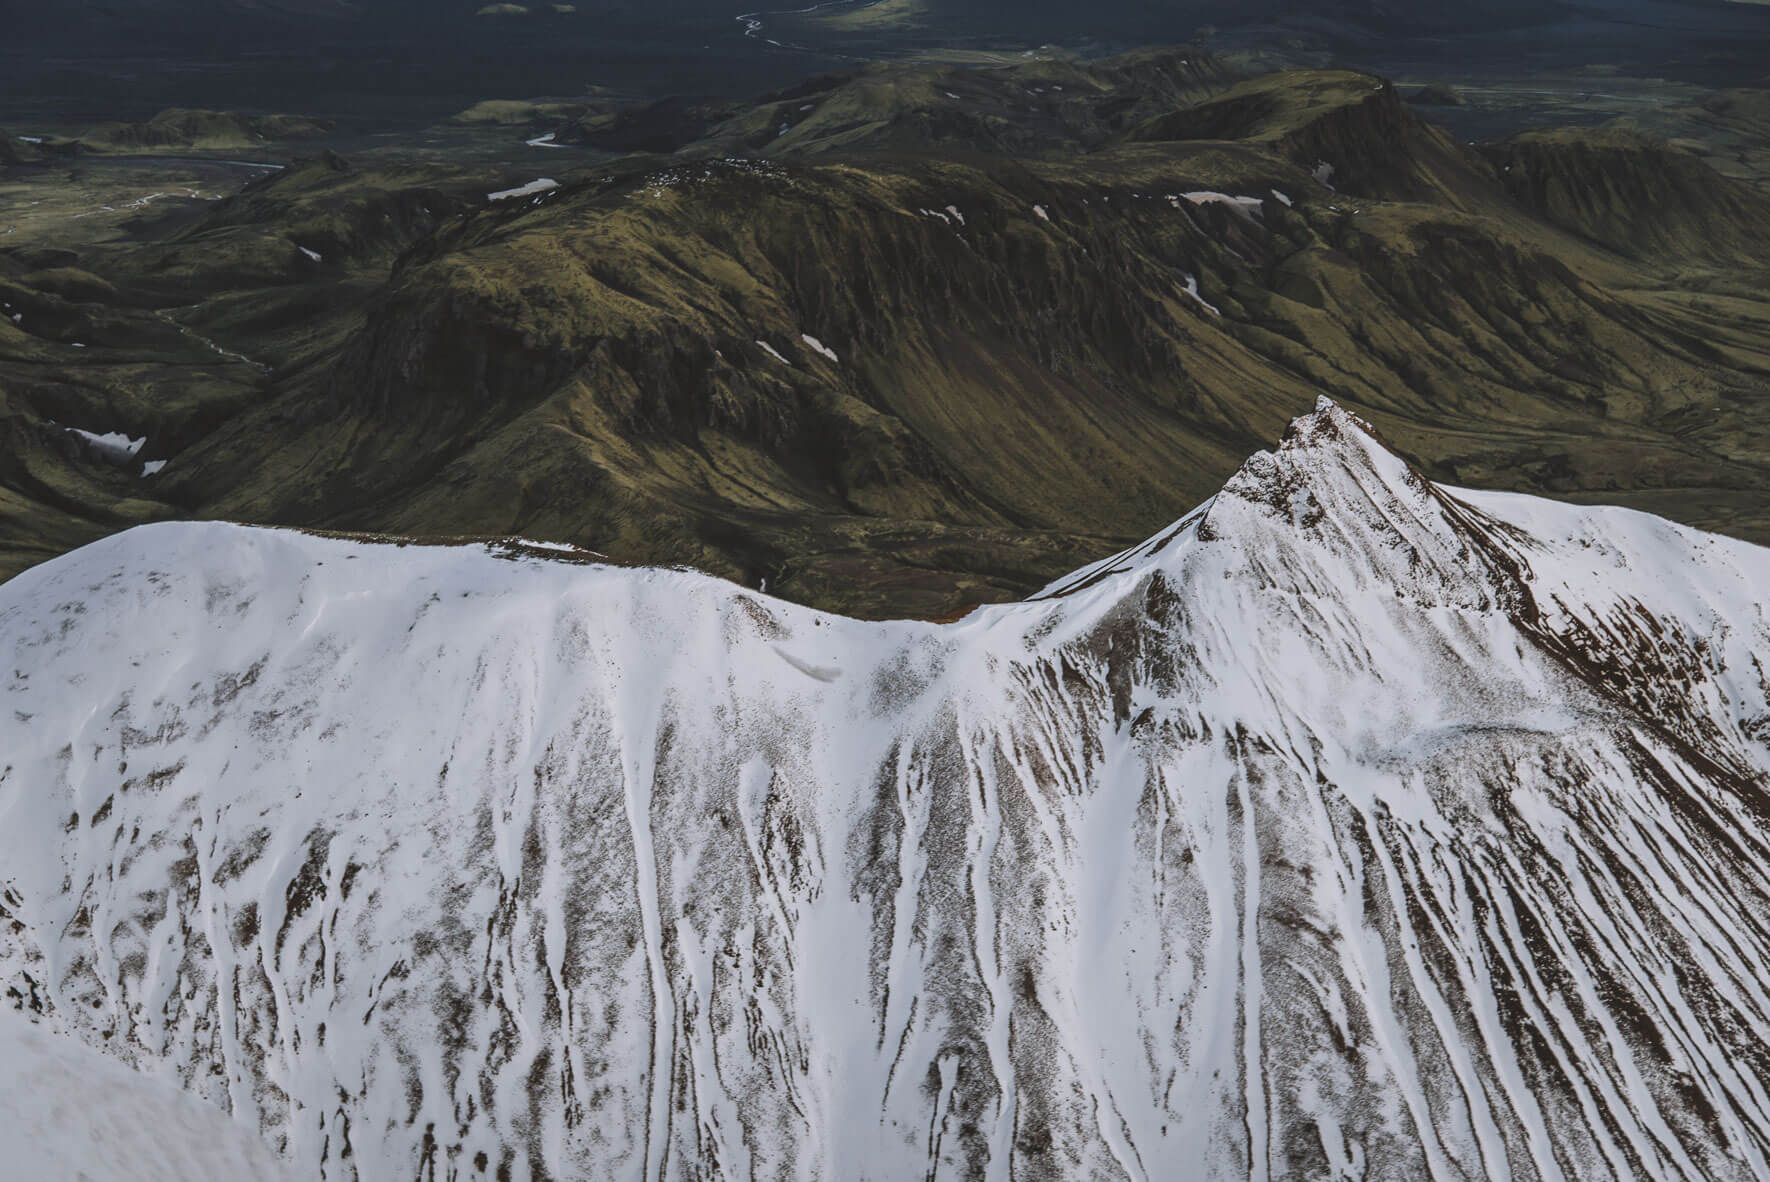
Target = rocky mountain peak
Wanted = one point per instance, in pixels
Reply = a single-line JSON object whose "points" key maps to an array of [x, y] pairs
{"points": [[1328, 446], [1332, 506]]}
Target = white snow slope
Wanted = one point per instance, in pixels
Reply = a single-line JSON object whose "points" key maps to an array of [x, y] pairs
{"points": [[1351, 829], [70, 1114]]}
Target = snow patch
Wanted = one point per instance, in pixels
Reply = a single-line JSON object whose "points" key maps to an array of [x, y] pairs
{"points": [[818, 346], [1191, 289], [1039, 212], [773, 352], [312, 254], [543, 185], [115, 446], [1248, 207]]}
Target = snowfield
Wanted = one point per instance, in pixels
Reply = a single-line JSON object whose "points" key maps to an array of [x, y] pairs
{"points": [[71, 1114], [1351, 828]]}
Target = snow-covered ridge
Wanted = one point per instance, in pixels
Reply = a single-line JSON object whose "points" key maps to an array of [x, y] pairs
{"points": [[1352, 827]]}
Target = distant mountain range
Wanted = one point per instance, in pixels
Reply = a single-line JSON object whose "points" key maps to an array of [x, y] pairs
{"points": [[377, 60], [193, 20]]}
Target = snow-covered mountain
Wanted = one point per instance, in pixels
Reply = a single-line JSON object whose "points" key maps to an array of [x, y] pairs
{"points": [[1353, 828]]}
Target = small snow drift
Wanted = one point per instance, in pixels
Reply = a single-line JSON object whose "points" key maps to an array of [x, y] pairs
{"points": [[1247, 207], [543, 185], [114, 447], [1351, 827], [1191, 289]]}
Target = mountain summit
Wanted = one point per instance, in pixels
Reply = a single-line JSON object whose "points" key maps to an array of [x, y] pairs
{"points": [[1354, 827]]}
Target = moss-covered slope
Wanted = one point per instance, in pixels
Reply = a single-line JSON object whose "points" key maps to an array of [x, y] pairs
{"points": [[890, 383]]}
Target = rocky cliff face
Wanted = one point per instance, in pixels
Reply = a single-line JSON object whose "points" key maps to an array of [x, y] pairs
{"points": [[1351, 827], [1635, 195]]}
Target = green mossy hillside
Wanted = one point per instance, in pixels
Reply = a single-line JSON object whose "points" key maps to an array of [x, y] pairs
{"points": [[885, 381]]}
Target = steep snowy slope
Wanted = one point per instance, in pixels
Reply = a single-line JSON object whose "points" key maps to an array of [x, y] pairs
{"points": [[70, 1114], [1351, 829]]}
